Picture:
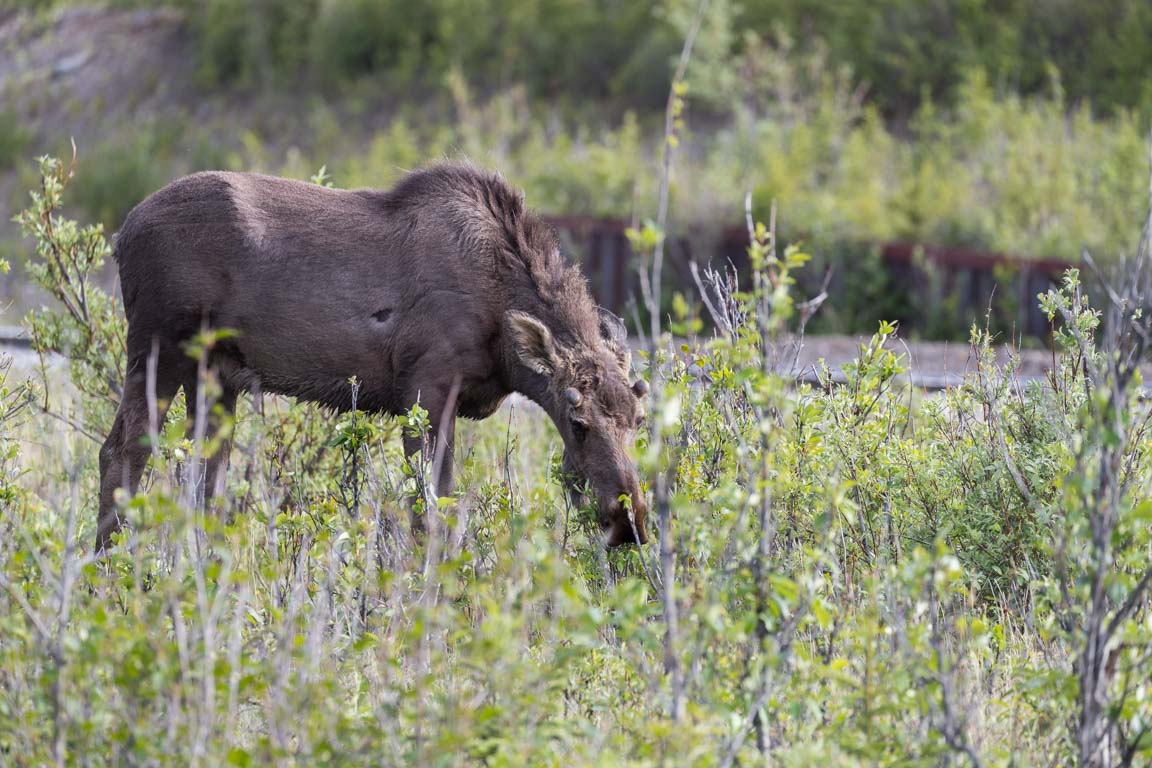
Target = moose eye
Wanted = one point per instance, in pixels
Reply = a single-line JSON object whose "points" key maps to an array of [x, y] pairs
{"points": [[579, 430]]}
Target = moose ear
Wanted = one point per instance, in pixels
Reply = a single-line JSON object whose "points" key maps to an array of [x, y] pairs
{"points": [[533, 341], [613, 331], [612, 328]]}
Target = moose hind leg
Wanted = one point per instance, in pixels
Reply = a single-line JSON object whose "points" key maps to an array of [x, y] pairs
{"points": [[125, 453]]}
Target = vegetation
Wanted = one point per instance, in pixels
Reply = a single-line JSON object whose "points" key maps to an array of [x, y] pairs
{"points": [[853, 573], [866, 120], [904, 50], [858, 573], [14, 139]]}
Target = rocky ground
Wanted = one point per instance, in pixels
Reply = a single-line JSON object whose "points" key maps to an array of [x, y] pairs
{"points": [[931, 364]]}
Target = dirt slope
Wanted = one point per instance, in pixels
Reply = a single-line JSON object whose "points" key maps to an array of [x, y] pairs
{"points": [[85, 71]]}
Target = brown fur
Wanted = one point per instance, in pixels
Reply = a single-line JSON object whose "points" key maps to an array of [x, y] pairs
{"points": [[443, 290]]}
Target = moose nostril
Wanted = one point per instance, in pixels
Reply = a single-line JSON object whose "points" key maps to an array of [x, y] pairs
{"points": [[623, 532]]}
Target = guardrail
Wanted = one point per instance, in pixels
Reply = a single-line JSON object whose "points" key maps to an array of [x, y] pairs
{"points": [[926, 274], [14, 336]]}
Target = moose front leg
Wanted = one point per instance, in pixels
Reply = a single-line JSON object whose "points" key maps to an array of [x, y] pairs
{"points": [[435, 450], [212, 430], [433, 453]]}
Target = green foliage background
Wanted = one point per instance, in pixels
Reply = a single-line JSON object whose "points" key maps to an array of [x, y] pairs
{"points": [[905, 50]]}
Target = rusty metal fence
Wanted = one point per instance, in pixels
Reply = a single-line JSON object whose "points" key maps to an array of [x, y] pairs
{"points": [[920, 278]]}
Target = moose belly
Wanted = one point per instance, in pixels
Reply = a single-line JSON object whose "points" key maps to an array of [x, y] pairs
{"points": [[338, 363], [373, 355]]}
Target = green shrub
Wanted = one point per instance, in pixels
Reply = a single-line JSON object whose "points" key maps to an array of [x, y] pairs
{"points": [[250, 43], [14, 139], [553, 47], [353, 38], [904, 48]]}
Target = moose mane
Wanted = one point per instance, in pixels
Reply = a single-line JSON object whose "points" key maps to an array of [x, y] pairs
{"points": [[489, 219]]}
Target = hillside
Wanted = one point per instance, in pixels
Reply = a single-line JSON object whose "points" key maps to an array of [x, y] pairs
{"points": [[87, 72]]}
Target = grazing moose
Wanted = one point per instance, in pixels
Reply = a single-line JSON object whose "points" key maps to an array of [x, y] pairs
{"points": [[443, 291]]}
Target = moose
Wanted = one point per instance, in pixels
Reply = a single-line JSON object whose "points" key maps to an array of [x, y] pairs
{"points": [[444, 290]]}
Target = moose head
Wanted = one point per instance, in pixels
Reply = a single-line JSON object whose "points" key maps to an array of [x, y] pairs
{"points": [[597, 410]]}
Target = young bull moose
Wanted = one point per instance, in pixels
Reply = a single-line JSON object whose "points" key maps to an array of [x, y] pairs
{"points": [[443, 291]]}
